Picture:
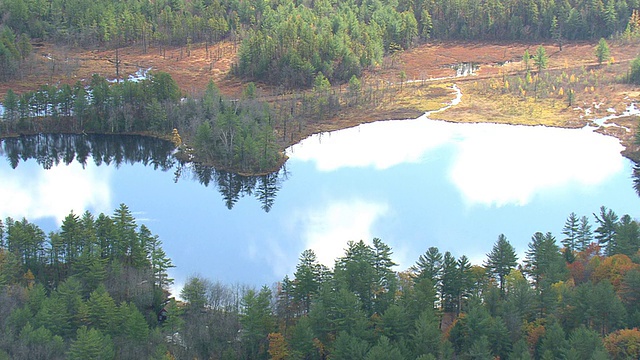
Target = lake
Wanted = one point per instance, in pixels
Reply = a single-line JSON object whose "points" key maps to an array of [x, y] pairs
{"points": [[413, 183]]}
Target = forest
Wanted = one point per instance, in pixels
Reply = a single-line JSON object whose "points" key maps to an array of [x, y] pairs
{"points": [[289, 43], [99, 288], [303, 50]]}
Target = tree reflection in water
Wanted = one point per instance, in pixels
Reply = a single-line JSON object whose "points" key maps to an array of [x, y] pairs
{"points": [[54, 149]]}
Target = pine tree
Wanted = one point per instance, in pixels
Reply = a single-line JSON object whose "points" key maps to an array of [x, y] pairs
{"points": [[429, 266], [91, 344], [308, 277], [570, 230], [627, 238], [585, 342], [387, 284], [257, 321], [426, 338], [10, 108], [384, 350], [602, 51], [160, 263], [101, 311], [501, 260], [606, 230], [584, 235], [540, 60], [546, 265], [553, 341], [124, 227]]}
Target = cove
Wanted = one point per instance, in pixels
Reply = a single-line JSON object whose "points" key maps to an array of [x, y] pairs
{"points": [[413, 183]]}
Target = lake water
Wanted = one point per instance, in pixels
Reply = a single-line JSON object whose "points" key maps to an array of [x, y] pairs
{"points": [[412, 183]]}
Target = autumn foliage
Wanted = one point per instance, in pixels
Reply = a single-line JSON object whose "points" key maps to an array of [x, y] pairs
{"points": [[623, 344]]}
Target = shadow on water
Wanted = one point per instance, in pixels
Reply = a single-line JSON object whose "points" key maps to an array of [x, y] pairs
{"points": [[51, 150]]}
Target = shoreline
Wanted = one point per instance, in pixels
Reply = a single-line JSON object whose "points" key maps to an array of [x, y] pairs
{"points": [[427, 88], [344, 120]]}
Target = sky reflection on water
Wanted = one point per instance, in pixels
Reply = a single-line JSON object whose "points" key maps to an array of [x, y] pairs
{"points": [[492, 164], [414, 184], [33, 193]]}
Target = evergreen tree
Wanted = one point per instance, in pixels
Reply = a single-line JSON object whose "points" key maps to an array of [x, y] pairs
{"points": [[606, 230], [571, 231], [553, 342], [584, 235], [349, 347], [608, 313], [395, 323], [602, 51], [308, 277], [124, 226], [634, 71], [540, 61], [39, 343], [386, 282], [545, 264], [384, 350], [501, 260], [356, 272], [194, 292], [426, 338], [91, 344], [10, 104], [101, 311], [627, 237], [257, 322], [584, 343], [450, 285], [429, 266], [302, 336]]}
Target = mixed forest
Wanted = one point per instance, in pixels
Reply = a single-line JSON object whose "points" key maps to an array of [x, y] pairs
{"points": [[300, 49], [98, 288], [290, 42]]}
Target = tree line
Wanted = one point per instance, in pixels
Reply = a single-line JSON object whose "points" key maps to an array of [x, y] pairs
{"points": [[292, 42], [570, 299], [90, 290], [94, 289]]}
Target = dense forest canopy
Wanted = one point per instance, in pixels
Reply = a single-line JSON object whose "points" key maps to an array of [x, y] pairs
{"points": [[288, 43], [98, 288]]}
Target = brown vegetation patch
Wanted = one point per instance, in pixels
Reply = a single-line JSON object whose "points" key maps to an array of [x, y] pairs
{"points": [[194, 66]]}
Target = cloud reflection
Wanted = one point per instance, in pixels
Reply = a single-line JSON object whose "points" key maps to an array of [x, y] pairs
{"points": [[499, 164], [35, 193], [381, 144], [493, 164], [327, 230]]}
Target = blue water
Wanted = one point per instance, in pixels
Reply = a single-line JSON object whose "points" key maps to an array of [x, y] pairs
{"points": [[414, 184]]}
